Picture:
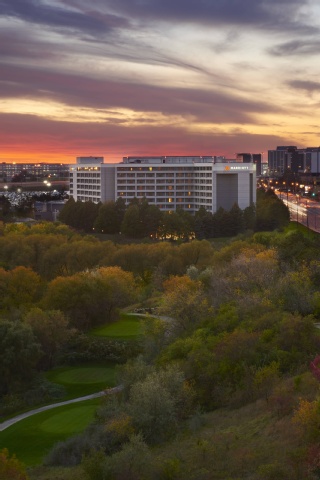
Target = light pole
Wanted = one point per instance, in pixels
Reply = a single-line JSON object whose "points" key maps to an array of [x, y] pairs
{"points": [[307, 206]]}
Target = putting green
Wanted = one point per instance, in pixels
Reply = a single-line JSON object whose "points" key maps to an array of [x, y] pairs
{"points": [[83, 380], [125, 328], [84, 375], [32, 438], [66, 422]]}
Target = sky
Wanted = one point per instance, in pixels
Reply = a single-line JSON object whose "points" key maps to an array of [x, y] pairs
{"points": [[157, 77]]}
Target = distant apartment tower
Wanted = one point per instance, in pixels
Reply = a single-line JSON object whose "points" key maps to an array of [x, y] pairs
{"points": [[170, 182], [255, 158], [292, 159]]}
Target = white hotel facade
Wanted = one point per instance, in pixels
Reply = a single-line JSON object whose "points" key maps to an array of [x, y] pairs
{"points": [[170, 182]]}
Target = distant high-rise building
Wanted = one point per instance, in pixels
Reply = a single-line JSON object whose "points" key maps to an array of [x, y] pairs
{"points": [[255, 158]]}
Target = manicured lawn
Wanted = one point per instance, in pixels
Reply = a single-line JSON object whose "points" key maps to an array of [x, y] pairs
{"points": [[32, 438], [128, 327], [83, 380]]}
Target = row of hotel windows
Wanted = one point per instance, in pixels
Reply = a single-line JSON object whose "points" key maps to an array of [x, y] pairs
{"points": [[85, 175], [88, 199], [155, 184], [156, 175], [88, 192], [91, 187], [164, 175], [165, 182], [155, 169]]}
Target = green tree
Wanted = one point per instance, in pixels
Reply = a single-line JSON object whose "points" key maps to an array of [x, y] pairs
{"points": [[175, 226], [157, 403], [271, 212], [131, 226], [51, 329], [19, 354], [108, 220]]}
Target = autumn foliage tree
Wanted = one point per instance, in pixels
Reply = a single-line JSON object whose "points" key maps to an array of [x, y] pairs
{"points": [[91, 297], [10, 467]]}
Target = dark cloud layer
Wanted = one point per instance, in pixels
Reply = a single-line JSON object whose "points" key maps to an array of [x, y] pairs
{"points": [[38, 12], [271, 14], [102, 15]]}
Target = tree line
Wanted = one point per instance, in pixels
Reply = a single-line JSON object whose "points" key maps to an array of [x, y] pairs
{"points": [[139, 219]]}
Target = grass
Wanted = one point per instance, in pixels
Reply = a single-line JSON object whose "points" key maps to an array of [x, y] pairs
{"points": [[84, 379], [128, 327], [32, 438]]}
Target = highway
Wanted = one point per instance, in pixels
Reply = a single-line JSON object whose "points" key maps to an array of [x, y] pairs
{"points": [[303, 210]]}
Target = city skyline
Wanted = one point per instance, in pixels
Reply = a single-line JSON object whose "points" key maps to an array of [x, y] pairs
{"points": [[126, 77]]}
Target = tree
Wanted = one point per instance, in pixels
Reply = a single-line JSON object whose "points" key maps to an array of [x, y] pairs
{"points": [[19, 353], [108, 220], [91, 297], [131, 226], [67, 212], [271, 212], [10, 467], [158, 402], [51, 329], [185, 302], [20, 288], [203, 224], [175, 226]]}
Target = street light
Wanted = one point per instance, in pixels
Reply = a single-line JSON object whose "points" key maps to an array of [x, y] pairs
{"points": [[307, 206]]}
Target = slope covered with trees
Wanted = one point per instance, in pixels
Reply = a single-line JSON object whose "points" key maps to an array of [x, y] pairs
{"points": [[238, 335]]}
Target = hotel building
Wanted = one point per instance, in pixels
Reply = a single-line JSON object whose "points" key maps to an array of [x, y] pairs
{"points": [[170, 182]]}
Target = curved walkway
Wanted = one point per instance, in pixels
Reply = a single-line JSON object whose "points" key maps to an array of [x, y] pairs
{"points": [[12, 421], [7, 423]]}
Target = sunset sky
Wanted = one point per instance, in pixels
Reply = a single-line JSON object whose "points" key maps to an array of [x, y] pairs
{"points": [[157, 77]]}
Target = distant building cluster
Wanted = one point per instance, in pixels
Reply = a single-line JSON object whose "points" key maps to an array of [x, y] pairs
{"points": [[20, 172], [292, 159], [170, 182]]}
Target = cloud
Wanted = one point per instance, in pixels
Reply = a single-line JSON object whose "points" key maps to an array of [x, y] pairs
{"points": [[78, 90], [52, 15], [306, 85], [271, 14], [64, 141], [101, 16], [297, 48]]}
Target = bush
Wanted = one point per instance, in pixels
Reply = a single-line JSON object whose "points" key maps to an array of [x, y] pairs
{"points": [[71, 451], [89, 349]]}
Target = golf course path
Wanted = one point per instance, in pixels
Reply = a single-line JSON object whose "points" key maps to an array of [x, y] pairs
{"points": [[16, 419]]}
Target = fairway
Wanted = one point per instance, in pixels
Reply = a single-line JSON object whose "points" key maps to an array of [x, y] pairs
{"points": [[128, 327], [32, 438], [83, 380]]}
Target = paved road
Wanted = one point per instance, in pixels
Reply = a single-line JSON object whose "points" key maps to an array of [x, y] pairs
{"points": [[16, 419], [303, 210]]}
